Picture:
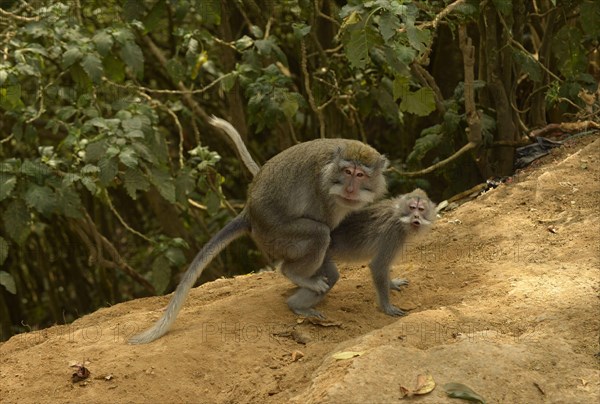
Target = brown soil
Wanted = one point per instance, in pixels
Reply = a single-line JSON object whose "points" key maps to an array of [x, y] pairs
{"points": [[503, 298]]}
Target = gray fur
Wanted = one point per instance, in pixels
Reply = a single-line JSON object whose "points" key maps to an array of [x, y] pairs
{"points": [[294, 201]]}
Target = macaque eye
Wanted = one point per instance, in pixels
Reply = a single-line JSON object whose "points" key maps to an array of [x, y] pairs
{"points": [[360, 175], [421, 209], [348, 171], [412, 207]]}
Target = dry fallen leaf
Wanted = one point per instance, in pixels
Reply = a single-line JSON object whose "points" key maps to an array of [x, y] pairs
{"points": [[324, 323], [82, 373], [346, 355], [296, 355], [425, 384]]}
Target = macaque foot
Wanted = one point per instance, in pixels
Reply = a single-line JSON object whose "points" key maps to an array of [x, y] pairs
{"points": [[396, 283], [308, 313], [316, 283], [391, 310]]}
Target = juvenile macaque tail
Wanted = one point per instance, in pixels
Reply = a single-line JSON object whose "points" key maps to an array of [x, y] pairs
{"points": [[234, 229]]}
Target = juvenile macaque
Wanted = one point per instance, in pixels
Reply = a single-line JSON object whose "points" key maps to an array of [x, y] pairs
{"points": [[375, 234], [293, 202]]}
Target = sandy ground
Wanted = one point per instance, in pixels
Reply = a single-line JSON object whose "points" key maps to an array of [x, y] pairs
{"points": [[503, 298]]}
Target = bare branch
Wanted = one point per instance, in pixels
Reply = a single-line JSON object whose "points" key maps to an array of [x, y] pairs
{"points": [[437, 165], [311, 99]]}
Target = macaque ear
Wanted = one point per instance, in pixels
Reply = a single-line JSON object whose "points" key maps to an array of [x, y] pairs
{"points": [[383, 163]]}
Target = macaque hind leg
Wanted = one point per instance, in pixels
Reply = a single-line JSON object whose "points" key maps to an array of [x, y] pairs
{"points": [[304, 300], [380, 271], [306, 242]]}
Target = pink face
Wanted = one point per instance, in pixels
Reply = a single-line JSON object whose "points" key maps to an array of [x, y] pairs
{"points": [[353, 179], [416, 206]]}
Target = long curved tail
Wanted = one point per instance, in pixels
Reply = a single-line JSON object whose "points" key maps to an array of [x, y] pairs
{"points": [[238, 142], [234, 229]]}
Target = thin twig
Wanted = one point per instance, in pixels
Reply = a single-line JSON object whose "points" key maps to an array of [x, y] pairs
{"points": [[123, 222], [434, 167], [311, 99], [8, 14]]}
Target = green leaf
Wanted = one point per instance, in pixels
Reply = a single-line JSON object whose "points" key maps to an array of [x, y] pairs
{"points": [[145, 152], [7, 184], [213, 203], [386, 103], [256, 31], [400, 87], [418, 38], [104, 42], [133, 9], [566, 45], [184, 184], [64, 113], [109, 168], [70, 178], [210, 11], [421, 102], [90, 184], [156, 17], [300, 30], [289, 106], [135, 134], [93, 67], [80, 77], [71, 55], [163, 182], [430, 139], [228, 82], [6, 279], [90, 169], [132, 123], [243, 43], [458, 390], [41, 198], [362, 39], [3, 250], [95, 151], [35, 169], [69, 203], [114, 68], [10, 97], [134, 181], [590, 18], [16, 221], [388, 26], [128, 157], [133, 57], [503, 6], [528, 64], [161, 274], [176, 256], [123, 35], [175, 70]]}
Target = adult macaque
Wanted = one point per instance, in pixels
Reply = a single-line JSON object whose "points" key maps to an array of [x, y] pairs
{"points": [[293, 202], [375, 234]]}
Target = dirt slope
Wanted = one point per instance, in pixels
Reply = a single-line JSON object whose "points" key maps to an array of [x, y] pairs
{"points": [[503, 298]]}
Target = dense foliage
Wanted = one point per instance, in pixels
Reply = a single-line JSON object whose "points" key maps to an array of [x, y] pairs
{"points": [[111, 179]]}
